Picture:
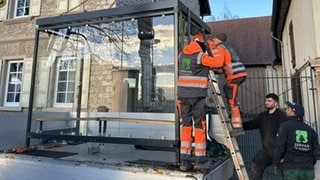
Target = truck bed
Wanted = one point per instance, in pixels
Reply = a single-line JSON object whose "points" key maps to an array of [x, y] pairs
{"points": [[104, 161]]}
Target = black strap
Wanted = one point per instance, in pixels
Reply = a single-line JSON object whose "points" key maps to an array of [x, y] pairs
{"points": [[207, 44]]}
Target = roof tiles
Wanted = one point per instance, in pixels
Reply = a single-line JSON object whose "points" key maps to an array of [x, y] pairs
{"points": [[250, 37]]}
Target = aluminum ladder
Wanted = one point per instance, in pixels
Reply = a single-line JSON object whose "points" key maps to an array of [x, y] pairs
{"points": [[231, 142]]}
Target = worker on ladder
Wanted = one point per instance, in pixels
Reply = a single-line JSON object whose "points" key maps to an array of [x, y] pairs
{"points": [[193, 69], [235, 74]]}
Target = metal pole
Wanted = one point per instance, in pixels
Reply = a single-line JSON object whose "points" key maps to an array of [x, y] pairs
{"points": [[189, 25], [177, 121], [313, 89], [80, 86], [32, 85]]}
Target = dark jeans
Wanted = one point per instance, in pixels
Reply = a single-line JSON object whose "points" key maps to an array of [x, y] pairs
{"points": [[259, 163]]}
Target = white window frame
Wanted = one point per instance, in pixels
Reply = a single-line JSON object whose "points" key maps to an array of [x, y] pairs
{"points": [[14, 103], [67, 81], [24, 7]]}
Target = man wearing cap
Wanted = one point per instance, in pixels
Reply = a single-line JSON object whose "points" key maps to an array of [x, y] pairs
{"points": [[192, 86], [297, 146], [235, 74]]}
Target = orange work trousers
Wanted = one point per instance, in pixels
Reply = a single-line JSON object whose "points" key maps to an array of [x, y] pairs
{"points": [[231, 92], [192, 111]]}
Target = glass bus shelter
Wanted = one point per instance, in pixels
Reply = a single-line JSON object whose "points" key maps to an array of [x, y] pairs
{"points": [[109, 75]]}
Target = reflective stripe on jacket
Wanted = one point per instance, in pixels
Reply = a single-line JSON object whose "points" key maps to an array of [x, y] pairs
{"points": [[233, 67]]}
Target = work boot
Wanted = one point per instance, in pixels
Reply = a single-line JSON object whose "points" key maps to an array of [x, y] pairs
{"points": [[236, 132], [202, 163], [186, 165], [236, 122]]}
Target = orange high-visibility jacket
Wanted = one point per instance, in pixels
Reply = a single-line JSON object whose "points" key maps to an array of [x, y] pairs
{"points": [[193, 82], [193, 77], [233, 68]]}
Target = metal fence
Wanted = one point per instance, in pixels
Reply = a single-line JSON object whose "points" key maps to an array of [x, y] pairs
{"points": [[298, 88]]}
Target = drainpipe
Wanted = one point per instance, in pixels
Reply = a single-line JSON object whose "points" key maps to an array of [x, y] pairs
{"points": [[282, 56], [281, 48]]}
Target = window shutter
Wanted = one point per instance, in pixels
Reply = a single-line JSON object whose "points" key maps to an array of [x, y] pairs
{"points": [[3, 11], [62, 6], [75, 3], [35, 7]]}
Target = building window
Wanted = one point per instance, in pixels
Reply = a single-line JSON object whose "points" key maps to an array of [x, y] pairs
{"points": [[13, 83], [22, 8], [65, 82]]}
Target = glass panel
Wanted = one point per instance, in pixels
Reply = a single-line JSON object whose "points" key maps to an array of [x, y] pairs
{"points": [[26, 11], [60, 97], [20, 67], [69, 97], [20, 3], [22, 7], [13, 67], [63, 65], [11, 88], [131, 63], [19, 12], [72, 75], [62, 86], [72, 64], [10, 97], [63, 75], [17, 98], [147, 59], [19, 77], [127, 66], [70, 86], [18, 88], [14, 83], [66, 70]]}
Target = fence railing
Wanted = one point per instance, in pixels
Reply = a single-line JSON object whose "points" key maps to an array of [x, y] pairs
{"points": [[299, 88]]}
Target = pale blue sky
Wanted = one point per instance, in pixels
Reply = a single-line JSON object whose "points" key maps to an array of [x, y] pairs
{"points": [[241, 8]]}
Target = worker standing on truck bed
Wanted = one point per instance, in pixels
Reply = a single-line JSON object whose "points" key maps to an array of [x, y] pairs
{"points": [[193, 69]]}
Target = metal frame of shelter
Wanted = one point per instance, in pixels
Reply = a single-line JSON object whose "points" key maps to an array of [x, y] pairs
{"points": [[171, 7]]}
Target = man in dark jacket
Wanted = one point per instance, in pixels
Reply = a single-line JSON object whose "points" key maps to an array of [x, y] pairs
{"points": [[268, 123], [297, 146]]}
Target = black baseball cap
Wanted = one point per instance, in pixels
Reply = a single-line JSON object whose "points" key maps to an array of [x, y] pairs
{"points": [[297, 108]]}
